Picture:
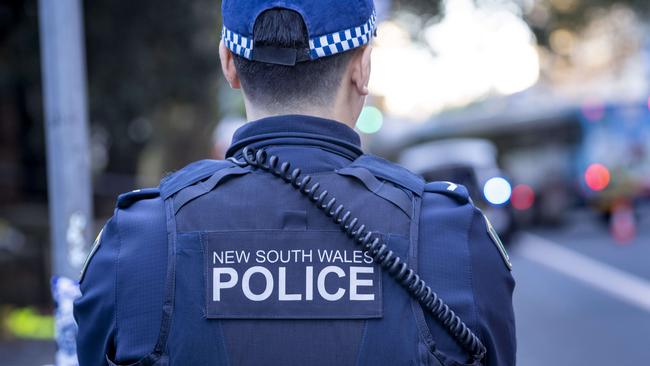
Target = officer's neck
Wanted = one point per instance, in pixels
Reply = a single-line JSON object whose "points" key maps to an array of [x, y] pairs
{"points": [[341, 115]]}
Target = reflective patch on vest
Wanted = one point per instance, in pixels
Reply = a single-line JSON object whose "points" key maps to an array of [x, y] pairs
{"points": [[273, 274]]}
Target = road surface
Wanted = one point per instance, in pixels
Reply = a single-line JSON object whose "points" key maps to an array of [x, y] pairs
{"points": [[581, 299]]}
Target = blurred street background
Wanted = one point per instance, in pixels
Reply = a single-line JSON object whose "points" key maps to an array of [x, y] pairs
{"points": [[540, 107]]}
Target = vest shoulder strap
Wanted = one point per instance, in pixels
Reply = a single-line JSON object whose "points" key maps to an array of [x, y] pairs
{"points": [[386, 170], [191, 174]]}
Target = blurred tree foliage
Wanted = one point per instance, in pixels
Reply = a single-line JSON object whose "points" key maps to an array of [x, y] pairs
{"points": [[548, 15], [543, 16], [424, 8], [153, 83], [153, 71]]}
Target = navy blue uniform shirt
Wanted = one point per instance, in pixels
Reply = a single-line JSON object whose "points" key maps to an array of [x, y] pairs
{"points": [[126, 284]]}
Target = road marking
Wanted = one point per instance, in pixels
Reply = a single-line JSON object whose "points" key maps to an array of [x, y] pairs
{"points": [[615, 282]]}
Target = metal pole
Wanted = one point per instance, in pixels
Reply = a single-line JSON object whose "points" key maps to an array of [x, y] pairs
{"points": [[68, 159], [66, 115]]}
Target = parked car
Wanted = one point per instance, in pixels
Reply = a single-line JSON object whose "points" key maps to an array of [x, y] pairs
{"points": [[473, 164]]}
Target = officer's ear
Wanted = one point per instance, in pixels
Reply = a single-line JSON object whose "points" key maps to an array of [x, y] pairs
{"points": [[361, 69], [228, 66]]}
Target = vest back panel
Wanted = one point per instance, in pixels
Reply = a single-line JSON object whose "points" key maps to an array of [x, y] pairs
{"points": [[255, 230]]}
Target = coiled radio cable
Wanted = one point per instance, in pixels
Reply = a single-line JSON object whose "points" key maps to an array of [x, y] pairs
{"points": [[370, 243]]}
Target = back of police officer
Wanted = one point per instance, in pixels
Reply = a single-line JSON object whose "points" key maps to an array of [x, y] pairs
{"points": [[249, 261]]}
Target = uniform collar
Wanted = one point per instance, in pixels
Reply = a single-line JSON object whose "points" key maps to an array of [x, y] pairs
{"points": [[297, 129]]}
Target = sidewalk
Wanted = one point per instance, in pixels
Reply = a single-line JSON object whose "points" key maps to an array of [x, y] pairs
{"points": [[27, 353]]}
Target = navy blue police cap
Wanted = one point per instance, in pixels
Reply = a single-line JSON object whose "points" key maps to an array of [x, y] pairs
{"points": [[334, 26]]}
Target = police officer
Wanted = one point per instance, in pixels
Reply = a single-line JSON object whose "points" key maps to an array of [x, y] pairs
{"points": [[299, 249]]}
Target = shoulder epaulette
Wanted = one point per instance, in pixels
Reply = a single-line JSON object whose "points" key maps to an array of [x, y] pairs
{"points": [[391, 172], [189, 175], [127, 199], [456, 191]]}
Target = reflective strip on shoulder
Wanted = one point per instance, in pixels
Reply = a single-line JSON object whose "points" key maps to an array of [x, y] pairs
{"points": [[497, 241], [91, 254]]}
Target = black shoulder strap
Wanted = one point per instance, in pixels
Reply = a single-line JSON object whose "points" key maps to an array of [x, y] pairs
{"points": [[188, 194], [189, 175], [192, 180], [386, 191], [391, 172]]}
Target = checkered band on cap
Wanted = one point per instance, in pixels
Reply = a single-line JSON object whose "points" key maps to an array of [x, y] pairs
{"points": [[321, 46], [237, 43], [342, 41]]}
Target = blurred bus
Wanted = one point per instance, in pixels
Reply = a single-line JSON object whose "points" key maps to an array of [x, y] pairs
{"points": [[613, 159], [557, 156]]}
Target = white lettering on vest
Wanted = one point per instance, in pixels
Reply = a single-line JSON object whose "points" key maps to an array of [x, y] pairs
{"points": [[321, 283], [356, 282], [282, 287], [218, 285], [268, 289]]}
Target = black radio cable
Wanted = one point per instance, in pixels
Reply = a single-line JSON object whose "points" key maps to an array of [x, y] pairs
{"points": [[370, 244]]}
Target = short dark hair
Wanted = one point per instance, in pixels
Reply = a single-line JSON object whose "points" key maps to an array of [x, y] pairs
{"points": [[273, 85]]}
